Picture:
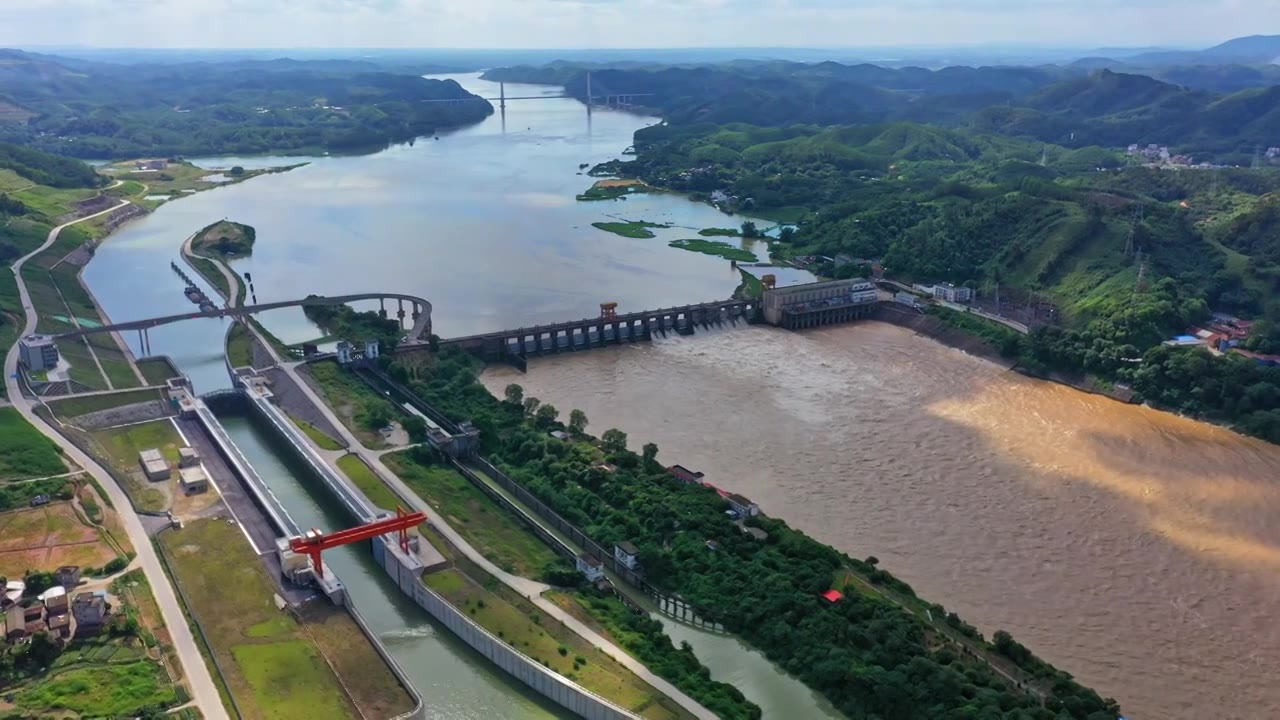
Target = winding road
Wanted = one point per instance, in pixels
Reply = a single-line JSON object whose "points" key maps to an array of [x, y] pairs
{"points": [[200, 682]]}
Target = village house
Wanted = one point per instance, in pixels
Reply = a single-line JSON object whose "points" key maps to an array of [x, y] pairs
{"points": [[90, 611], [61, 626], [55, 600], [33, 613], [15, 624], [68, 576]]}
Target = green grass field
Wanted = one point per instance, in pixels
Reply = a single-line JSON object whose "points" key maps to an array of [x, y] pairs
{"points": [[156, 371], [103, 690], [121, 447], [636, 229], [24, 451], [290, 681], [77, 406], [240, 346], [369, 482], [269, 664], [715, 247], [493, 531], [351, 399], [722, 232], [517, 621], [320, 438]]}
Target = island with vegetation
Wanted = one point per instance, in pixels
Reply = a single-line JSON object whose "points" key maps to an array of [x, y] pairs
{"points": [[225, 239], [1103, 209], [637, 229]]}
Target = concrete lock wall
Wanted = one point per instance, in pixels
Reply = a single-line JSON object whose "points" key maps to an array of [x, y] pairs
{"points": [[285, 525], [407, 574]]}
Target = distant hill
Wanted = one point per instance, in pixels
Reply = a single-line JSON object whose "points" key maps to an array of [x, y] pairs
{"points": [[95, 109], [1252, 50], [1106, 93]]}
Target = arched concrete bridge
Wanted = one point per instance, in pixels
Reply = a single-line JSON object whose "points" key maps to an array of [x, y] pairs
{"points": [[421, 313]]}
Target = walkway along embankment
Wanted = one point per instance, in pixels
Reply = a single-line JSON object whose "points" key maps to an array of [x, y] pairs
{"points": [[407, 569]]}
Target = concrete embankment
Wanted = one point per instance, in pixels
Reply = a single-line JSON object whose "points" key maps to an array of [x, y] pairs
{"points": [[278, 516], [407, 570]]}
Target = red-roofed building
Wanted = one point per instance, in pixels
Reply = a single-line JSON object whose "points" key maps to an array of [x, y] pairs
{"points": [[832, 595], [684, 474]]}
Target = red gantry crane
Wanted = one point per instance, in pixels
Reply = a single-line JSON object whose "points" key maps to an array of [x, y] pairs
{"points": [[315, 541]]}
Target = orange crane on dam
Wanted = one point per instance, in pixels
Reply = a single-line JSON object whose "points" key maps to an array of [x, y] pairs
{"points": [[314, 542]]}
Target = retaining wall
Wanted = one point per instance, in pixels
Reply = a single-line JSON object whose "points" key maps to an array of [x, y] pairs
{"points": [[407, 574], [286, 525]]}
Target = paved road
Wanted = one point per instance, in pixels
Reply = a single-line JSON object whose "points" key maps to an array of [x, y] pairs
{"points": [[531, 589], [203, 692]]}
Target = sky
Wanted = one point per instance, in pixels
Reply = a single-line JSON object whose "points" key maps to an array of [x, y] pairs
{"points": [[629, 23]]}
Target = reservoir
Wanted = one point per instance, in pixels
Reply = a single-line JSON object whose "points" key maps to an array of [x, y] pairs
{"points": [[1136, 549]]}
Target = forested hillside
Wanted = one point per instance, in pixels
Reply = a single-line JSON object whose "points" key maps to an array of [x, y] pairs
{"points": [[94, 110], [1034, 200], [47, 169], [1075, 106]]}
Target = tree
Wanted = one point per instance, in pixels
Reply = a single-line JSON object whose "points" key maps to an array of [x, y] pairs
{"points": [[749, 230], [236, 171], [416, 427], [547, 414], [787, 234], [650, 453], [614, 440], [531, 405], [43, 650], [514, 394], [38, 582], [376, 416], [577, 421]]}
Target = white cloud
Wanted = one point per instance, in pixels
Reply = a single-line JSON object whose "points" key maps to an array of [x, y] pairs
{"points": [[626, 23]]}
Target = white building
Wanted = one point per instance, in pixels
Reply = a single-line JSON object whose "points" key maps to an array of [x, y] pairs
{"points": [[627, 554], [38, 352], [590, 567], [952, 293]]}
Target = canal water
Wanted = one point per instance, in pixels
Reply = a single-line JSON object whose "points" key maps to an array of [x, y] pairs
{"points": [[455, 682], [483, 223]]}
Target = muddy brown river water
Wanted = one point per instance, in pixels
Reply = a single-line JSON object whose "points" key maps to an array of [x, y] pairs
{"points": [[1136, 549]]}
